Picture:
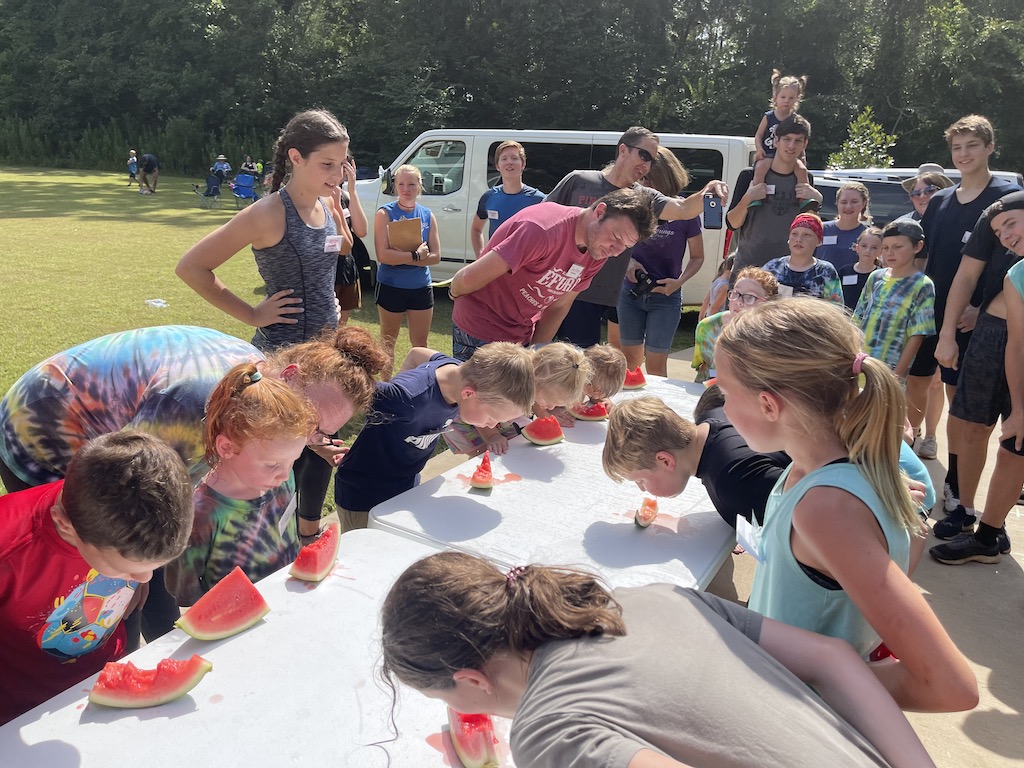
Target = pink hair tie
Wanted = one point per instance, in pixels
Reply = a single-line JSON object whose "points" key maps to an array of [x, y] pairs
{"points": [[513, 575], [859, 358]]}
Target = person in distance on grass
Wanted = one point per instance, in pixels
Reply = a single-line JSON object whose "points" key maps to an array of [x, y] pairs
{"points": [[410, 412], [86, 544], [149, 169], [255, 428], [589, 678]]}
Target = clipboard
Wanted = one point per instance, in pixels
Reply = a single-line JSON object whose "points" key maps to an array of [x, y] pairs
{"points": [[405, 234]]}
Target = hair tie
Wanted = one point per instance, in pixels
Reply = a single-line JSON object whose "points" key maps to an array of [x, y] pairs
{"points": [[513, 575], [255, 377], [857, 360]]}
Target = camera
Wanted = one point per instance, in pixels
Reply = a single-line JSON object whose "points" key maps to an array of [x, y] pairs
{"points": [[644, 284]]}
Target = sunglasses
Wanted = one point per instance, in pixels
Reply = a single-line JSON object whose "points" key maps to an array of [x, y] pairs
{"points": [[319, 438], [746, 299], [644, 154], [931, 189]]}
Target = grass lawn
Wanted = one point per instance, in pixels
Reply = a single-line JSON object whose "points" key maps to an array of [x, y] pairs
{"points": [[83, 251]]}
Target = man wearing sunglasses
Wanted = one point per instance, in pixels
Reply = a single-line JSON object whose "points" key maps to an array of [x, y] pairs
{"points": [[635, 154], [762, 232]]}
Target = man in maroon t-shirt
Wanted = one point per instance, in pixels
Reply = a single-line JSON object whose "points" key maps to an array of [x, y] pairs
{"points": [[538, 262]]}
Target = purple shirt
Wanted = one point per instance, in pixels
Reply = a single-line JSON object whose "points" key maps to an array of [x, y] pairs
{"points": [[662, 255]]}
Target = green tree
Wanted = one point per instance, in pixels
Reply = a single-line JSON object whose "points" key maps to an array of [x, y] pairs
{"points": [[867, 145]]}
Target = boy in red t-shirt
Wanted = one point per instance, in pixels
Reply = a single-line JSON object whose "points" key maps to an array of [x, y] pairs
{"points": [[73, 555]]}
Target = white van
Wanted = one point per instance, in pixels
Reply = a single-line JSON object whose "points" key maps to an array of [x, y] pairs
{"points": [[458, 167]]}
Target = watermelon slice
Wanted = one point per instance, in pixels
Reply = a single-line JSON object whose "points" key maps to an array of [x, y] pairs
{"points": [[316, 560], [647, 513], [595, 411], [546, 431], [474, 739], [482, 478], [125, 685], [232, 605], [635, 379]]}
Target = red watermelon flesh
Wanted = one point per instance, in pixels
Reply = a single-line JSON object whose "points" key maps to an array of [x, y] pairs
{"points": [[232, 605], [546, 431], [482, 478], [647, 513], [317, 559], [635, 379], [474, 739], [595, 411], [125, 685]]}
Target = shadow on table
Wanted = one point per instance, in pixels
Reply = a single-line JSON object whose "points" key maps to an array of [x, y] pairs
{"points": [[95, 713], [615, 545], [586, 434], [533, 464], [455, 518], [52, 754]]}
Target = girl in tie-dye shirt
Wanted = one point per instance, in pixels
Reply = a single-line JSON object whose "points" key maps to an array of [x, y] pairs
{"points": [[255, 428]]}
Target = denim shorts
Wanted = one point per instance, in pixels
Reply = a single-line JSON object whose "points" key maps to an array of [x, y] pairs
{"points": [[649, 321], [464, 345]]}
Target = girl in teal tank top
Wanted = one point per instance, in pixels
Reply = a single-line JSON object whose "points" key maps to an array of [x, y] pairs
{"points": [[835, 545]]}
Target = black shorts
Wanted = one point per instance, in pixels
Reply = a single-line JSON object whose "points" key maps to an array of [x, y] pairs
{"points": [[582, 325], [150, 166], [925, 363], [982, 395], [398, 300]]}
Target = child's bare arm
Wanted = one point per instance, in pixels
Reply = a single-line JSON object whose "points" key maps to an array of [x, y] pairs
{"points": [[907, 356], [497, 443], [417, 356], [759, 138]]}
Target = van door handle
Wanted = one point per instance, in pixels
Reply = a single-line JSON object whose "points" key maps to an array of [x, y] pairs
{"points": [[450, 209]]}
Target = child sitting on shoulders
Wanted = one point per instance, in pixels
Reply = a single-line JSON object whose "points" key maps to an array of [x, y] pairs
{"points": [[73, 554], [854, 277], [753, 286], [800, 273], [787, 92], [896, 310], [256, 426], [411, 411]]}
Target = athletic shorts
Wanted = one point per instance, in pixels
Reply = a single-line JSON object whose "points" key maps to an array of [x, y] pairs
{"points": [[925, 363], [582, 325], [348, 295], [982, 395], [398, 300]]}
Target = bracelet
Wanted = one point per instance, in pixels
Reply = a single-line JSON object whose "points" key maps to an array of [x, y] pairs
{"points": [[451, 295], [415, 255]]}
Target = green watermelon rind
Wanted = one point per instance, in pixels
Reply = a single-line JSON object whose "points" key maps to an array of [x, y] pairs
{"points": [[483, 479], [213, 627], [138, 695], [536, 424], [638, 383], [580, 412], [304, 573], [483, 744]]}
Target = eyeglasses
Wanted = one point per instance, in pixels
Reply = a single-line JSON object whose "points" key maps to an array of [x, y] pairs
{"points": [[931, 189], [319, 437], [746, 299], [646, 156]]}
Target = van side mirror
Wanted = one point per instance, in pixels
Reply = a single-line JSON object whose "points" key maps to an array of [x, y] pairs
{"points": [[387, 183]]}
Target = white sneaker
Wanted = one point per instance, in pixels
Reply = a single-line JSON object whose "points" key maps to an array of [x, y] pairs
{"points": [[949, 501], [928, 447]]}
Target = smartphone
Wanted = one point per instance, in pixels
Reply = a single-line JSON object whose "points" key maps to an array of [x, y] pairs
{"points": [[712, 212]]}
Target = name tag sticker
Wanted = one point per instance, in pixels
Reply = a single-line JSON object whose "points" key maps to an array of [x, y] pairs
{"points": [[786, 291], [749, 538], [769, 189], [492, 214], [830, 240], [289, 512], [332, 243], [966, 237], [849, 279], [575, 270]]}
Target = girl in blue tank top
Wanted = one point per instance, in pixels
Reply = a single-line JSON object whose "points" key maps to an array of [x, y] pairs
{"points": [[294, 237], [403, 274], [835, 546]]}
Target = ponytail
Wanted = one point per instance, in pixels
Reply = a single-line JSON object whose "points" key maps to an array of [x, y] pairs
{"points": [[307, 131], [453, 611], [246, 405], [808, 353]]}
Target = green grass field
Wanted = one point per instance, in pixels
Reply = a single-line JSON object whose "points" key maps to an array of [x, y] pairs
{"points": [[82, 252]]}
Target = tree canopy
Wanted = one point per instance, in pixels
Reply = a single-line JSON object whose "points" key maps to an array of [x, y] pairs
{"points": [[81, 81]]}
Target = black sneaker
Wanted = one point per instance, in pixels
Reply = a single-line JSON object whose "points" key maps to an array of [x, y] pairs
{"points": [[956, 522], [1003, 541], [965, 548]]}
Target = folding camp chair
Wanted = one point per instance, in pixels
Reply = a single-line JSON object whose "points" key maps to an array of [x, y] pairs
{"points": [[243, 188], [209, 197]]}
